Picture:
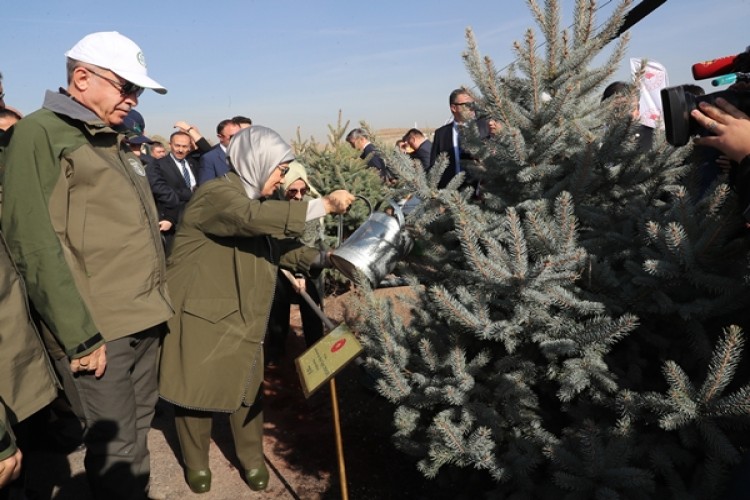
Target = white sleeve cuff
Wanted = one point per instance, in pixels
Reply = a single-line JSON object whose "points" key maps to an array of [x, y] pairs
{"points": [[315, 209]]}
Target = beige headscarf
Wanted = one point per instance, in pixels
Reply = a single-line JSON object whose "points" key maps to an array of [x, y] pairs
{"points": [[315, 228], [253, 153], [296, 172]]}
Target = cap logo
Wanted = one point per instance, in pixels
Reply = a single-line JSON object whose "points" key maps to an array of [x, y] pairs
{"points": [[141, 59]]}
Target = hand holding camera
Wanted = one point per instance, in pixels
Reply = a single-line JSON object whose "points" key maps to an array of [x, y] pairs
{"points": [[680, 105], [730, 128]]}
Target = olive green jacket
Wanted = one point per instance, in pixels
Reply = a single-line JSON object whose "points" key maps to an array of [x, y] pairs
{"points": [[222, 275], [7, 439], [27, 380], [81, 225]]}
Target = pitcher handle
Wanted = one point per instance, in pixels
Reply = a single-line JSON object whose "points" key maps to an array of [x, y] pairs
{"points": [[396, 210], [369, 205], [340, 232]]}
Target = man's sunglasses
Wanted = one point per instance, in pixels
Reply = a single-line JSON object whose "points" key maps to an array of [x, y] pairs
{"points": [[126, 89], [293, 192]]}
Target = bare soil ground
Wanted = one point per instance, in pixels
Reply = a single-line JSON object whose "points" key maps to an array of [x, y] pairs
{"points": [[299, 444]]}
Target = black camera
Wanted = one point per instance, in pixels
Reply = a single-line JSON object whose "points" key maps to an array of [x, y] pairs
{"points": [[678, 103]]}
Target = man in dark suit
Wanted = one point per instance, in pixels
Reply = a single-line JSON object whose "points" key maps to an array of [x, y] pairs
{"points": [[173, 179], [214, 163], [447, 137], [421, 147], [359, 139]]}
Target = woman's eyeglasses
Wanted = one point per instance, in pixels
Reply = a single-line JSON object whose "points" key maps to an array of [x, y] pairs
{"points": [[293, 192], [284, 169]]}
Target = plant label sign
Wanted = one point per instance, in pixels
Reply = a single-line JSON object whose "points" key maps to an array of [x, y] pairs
{"points": [[328, 356]]}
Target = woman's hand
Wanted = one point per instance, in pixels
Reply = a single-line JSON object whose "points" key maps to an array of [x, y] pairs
{"points": [[338, 201]]}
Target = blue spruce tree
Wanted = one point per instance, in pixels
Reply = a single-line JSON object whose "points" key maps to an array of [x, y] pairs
{"points": [[572, 331]]}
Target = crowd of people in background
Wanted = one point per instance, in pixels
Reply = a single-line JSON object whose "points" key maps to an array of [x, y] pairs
{"points": [[136, 254]]}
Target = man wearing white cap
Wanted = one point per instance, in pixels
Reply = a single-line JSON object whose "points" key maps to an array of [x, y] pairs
{"points": [[81, 224]]}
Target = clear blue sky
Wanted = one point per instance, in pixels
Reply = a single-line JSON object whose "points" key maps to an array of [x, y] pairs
{"points": [[287, 64]]}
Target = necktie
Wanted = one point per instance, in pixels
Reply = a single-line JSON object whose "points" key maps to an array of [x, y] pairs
{"points": [[185, 173]]}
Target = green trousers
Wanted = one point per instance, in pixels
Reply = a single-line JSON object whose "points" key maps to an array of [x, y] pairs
{"points": [[194, 433]]}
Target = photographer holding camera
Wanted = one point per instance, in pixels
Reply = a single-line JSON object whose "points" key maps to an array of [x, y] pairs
{"points": [[727, 124], [730, 134], [730, 128], [718, 121]]}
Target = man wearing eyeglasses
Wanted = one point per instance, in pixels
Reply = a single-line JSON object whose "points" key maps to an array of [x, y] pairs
{"points": [[82, 226], [173, 179], [448, 137]]}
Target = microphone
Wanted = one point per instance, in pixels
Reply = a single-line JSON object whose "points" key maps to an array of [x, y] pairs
{"points": [[714, 67]]}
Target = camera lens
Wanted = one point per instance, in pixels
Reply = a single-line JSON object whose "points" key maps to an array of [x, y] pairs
{"points": [[679, 126]]}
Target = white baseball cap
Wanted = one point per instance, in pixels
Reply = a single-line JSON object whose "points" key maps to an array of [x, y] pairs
{"points": [[117, 53]]}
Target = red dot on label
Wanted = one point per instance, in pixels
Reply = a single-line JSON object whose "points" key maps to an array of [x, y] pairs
{"points": [[338, 345]]}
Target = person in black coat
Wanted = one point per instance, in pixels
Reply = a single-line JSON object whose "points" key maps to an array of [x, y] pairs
{"points": [[421, 147], [620, 92], [214, 163], [173, 179], [447, 138], [359, 139]]}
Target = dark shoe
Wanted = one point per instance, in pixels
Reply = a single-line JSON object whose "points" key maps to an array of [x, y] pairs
{"points": [[198, 480], [257, 479]]}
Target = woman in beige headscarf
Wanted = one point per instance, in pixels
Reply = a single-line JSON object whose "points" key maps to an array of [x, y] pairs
{"points": [[295, 187], [221, 274]]}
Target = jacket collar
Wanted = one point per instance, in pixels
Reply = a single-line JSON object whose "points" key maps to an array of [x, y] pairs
{"points": [[64, 104]]}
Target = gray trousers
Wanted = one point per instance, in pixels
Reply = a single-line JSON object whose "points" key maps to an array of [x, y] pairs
{"points": [[116, 411]]}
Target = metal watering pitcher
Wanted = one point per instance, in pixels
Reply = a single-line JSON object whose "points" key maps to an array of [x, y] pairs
{"points": [[375, 247]]}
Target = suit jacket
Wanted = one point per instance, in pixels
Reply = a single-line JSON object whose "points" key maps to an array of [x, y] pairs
{"points": [[375, 161], [171, 194], [202, 146], [443, 143], [422, 154], [213, 164]]}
